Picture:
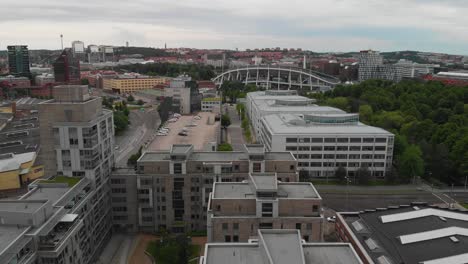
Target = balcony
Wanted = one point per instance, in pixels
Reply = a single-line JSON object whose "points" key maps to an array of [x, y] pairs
{"points": [[59, 233]]}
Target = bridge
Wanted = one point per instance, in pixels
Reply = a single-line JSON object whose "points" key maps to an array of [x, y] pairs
{"points": [[279, 77]]}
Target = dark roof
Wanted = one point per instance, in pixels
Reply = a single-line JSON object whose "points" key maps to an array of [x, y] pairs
{"points": [[19, 143], [386, 235]]}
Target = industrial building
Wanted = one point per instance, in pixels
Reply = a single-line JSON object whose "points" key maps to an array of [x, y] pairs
{"points": [[237, 210], [129, 83], [414, 233], [321, 138]]}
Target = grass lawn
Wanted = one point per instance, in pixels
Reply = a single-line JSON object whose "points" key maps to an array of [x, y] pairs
{"points": [[464, 205], [167, 252], [63, 179]]}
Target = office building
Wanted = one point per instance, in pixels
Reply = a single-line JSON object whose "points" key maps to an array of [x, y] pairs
{"points": [[129, 83], [67, 68], [93, 55], [170, 189], [18, 61], [237, 210], [371, 66], [279, 246], [414, 233], [181, 94], [107, 53], [79, 51], [60, 220], [211, 104], [411, 69], [321, 138]]}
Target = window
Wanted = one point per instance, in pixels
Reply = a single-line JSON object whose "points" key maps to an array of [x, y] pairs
{"points": [[267, 209], [316, 148], [257, 167], [304, 140], [117, 181], [306, 238], [119, 199], [236, 167], [317, 140], [298, 226], [177, 168], [227, 238], [118, 190], [316, 156], [235, 226], [354, 148], [265, 226], [316, 164], [291, 167], [380, 140], [330, 140], [225, 226], [343, 140], [341, 156], [304, 148], [379, 156], [379, 148], [367, 148], [303, 156], [235, 238], [355, 140], [329, 156], [303, 164], [314, 208], [291, 148], [342, 148], [368, 140], [291, 140], [329, 148]]}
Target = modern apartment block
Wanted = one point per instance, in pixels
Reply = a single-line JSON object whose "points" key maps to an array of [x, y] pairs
{"points": [[371, 66], [59, 221], [411, 69], [321, 138], [279, 246], [170, 189], [237, 210], [18, 61], [76, 134]]}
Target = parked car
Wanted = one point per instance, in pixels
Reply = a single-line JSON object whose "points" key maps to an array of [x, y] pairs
{"points": [[183, 133], [197, 118]]}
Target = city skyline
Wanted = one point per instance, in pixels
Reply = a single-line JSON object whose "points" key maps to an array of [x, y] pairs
{"points": [[335, 25]]}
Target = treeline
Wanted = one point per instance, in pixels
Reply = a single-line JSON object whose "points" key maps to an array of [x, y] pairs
{"points": [[429, 120], [233, 90], [196, 71], [121, 113], [146, 52]]}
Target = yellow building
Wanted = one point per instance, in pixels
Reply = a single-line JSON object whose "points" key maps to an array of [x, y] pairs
{"points": [[131, 84], [18, 169]]}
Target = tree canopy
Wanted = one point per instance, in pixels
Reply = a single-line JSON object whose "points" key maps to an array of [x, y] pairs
{"points": [[429, 120]]}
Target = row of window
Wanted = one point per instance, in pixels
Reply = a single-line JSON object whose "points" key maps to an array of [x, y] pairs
{"points": [[341, 164], [333, 140], [339, 156], [335, 148]]}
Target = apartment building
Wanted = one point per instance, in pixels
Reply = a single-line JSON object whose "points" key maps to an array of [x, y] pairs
{"points": [[321, 138], [211, 104], [180, 93], [237, 210], [411, 69], [129, 83], [170, 189], [59, 221], [77, 142], [279, 246], [371, 66]]}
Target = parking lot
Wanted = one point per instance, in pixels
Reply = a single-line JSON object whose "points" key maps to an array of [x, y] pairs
{"points": [[205, 131]]}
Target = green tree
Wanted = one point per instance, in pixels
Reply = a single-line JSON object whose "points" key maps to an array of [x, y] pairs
{"points": [[364, 175], [133, 158], [340, 174], [140, 102], [339, 102], [130, 98], [120, 121], [411, 163], [225, 121], [84, 81], [365, 113]]}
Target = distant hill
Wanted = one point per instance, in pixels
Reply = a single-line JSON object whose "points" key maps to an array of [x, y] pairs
{"points": [[395, 56], [146, 52]]}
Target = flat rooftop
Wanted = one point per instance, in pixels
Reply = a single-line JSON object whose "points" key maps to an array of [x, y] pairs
{"points": [[283, 124], [282, 246], [8, 233], [52, 193], [211, 156], [412, 234], [21, 135], [242, 190], [20, 206]]}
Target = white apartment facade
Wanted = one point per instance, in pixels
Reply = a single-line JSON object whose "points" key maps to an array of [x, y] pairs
{"points": [[411, 69], [371, 66], [180, 93], [322, 139]]}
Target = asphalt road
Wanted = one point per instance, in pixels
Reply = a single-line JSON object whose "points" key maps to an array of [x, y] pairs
{"points": [[234, 131], [142, 127]]}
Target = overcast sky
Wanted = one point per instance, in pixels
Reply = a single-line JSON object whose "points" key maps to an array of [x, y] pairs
{"points": [[325, 25]]}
